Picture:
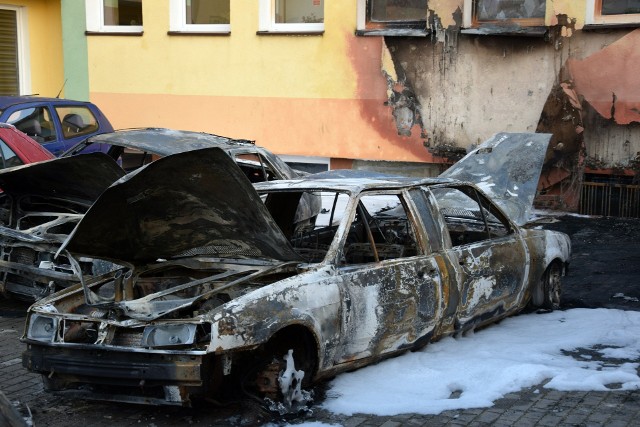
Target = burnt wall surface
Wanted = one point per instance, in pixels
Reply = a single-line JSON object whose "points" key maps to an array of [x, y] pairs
{"points": [[579, 85]]}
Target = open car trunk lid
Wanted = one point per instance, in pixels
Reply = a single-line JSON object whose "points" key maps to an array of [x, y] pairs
{"points": [[192, 203], [83, 177], [507, 168]]}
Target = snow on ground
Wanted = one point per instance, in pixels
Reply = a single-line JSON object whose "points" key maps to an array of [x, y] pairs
{"points": [[580, 349]]}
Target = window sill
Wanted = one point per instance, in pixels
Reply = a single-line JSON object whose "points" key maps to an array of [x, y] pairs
{"points": [[610, 25], [394, 32], [505, 30], [290, 33], [199, 33], [114, 33]]}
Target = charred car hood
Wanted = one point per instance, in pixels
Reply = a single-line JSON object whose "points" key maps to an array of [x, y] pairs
{"points": [[193, 203], [82, 177], [507, 168]]}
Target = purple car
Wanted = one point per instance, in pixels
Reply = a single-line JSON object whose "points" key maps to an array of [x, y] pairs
{"points": [[56, 124]]}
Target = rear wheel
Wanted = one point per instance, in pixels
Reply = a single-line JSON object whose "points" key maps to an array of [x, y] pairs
{"points": [[552, 287]]}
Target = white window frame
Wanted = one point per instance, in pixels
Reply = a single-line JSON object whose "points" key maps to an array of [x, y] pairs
{"points": [[24, 59], [267, 18], [594, 18], [95, 20], [178, 20]]}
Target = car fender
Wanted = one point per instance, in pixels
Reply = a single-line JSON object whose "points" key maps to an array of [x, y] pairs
{"points": [[311, 299]]}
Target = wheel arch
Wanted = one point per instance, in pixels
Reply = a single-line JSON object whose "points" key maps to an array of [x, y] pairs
{"points": [[537, 296]]}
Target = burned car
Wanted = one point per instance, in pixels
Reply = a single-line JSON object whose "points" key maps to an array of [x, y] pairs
{"points": [[41, 203], [134, 148], [220, 293]]}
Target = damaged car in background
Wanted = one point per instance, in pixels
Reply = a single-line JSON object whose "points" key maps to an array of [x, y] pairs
{"points": [[219, 292], [42, 203]]}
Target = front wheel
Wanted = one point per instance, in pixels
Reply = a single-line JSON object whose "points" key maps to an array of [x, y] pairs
{"points": [[552, 287], [282, 369]]}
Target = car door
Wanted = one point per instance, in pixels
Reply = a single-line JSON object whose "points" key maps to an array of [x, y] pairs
{"points": [[392, 290], [37, 120], [76, 123], [489, 255]]}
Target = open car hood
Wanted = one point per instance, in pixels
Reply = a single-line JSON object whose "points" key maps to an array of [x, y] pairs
{"points": [[507, 168], [83, 177], [192, 203]]}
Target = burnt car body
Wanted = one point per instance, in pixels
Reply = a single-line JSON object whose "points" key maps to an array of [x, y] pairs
{"points": [[219, 291], [42, 203], [134, 148]]}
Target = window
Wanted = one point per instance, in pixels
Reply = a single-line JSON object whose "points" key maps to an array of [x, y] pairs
{"points": [[307, 163], [9, 158], [255, 167], [15, 78], [469, 216], [392, 17], [35, 122], [520, 12], [308, 219], [76, 121], [381, 230], [200, 16], [613, 12], [291, 16], [114, 16]]}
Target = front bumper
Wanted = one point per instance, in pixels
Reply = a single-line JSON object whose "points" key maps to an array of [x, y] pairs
{"points": [[136, 377]]}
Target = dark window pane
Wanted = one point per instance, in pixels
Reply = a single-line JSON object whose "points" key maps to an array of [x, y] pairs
{"points": [[122, 12], [208, 12], [620, 7], [9, 158], [398, 10], [491, 10]]}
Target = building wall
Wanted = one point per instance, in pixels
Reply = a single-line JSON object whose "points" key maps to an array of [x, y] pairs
{"points": [[313, 95], [44, 30], [576, 82]]}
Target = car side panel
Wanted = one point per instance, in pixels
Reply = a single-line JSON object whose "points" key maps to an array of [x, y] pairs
{"points": [[388, 306]]}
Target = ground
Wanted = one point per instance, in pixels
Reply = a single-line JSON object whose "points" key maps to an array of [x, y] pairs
{"points": [[605, 272]]}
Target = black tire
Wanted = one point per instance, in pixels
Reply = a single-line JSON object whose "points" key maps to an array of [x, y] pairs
{"points": [[552, 287]]}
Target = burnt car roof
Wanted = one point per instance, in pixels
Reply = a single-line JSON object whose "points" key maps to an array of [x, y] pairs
{"points": [[349, 181], [180, 206], [165, 142], [84, 177]]}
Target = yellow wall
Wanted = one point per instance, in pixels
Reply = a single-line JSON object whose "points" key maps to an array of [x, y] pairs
{"points": [[319, 95], [45, 44]]}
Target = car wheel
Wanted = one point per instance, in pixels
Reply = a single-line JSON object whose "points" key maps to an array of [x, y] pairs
{"points": [[283, 370], [552, 287]]}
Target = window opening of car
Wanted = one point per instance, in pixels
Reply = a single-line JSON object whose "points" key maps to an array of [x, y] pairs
{"points": [[9, 158], [35, 122], [381, 230], [309, 228], [76, 121], [131, 159], [469, 217], [255, 167]]}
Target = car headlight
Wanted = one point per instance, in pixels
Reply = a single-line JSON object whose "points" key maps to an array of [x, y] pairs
{"points": [[169, 335], [42, 328]]}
